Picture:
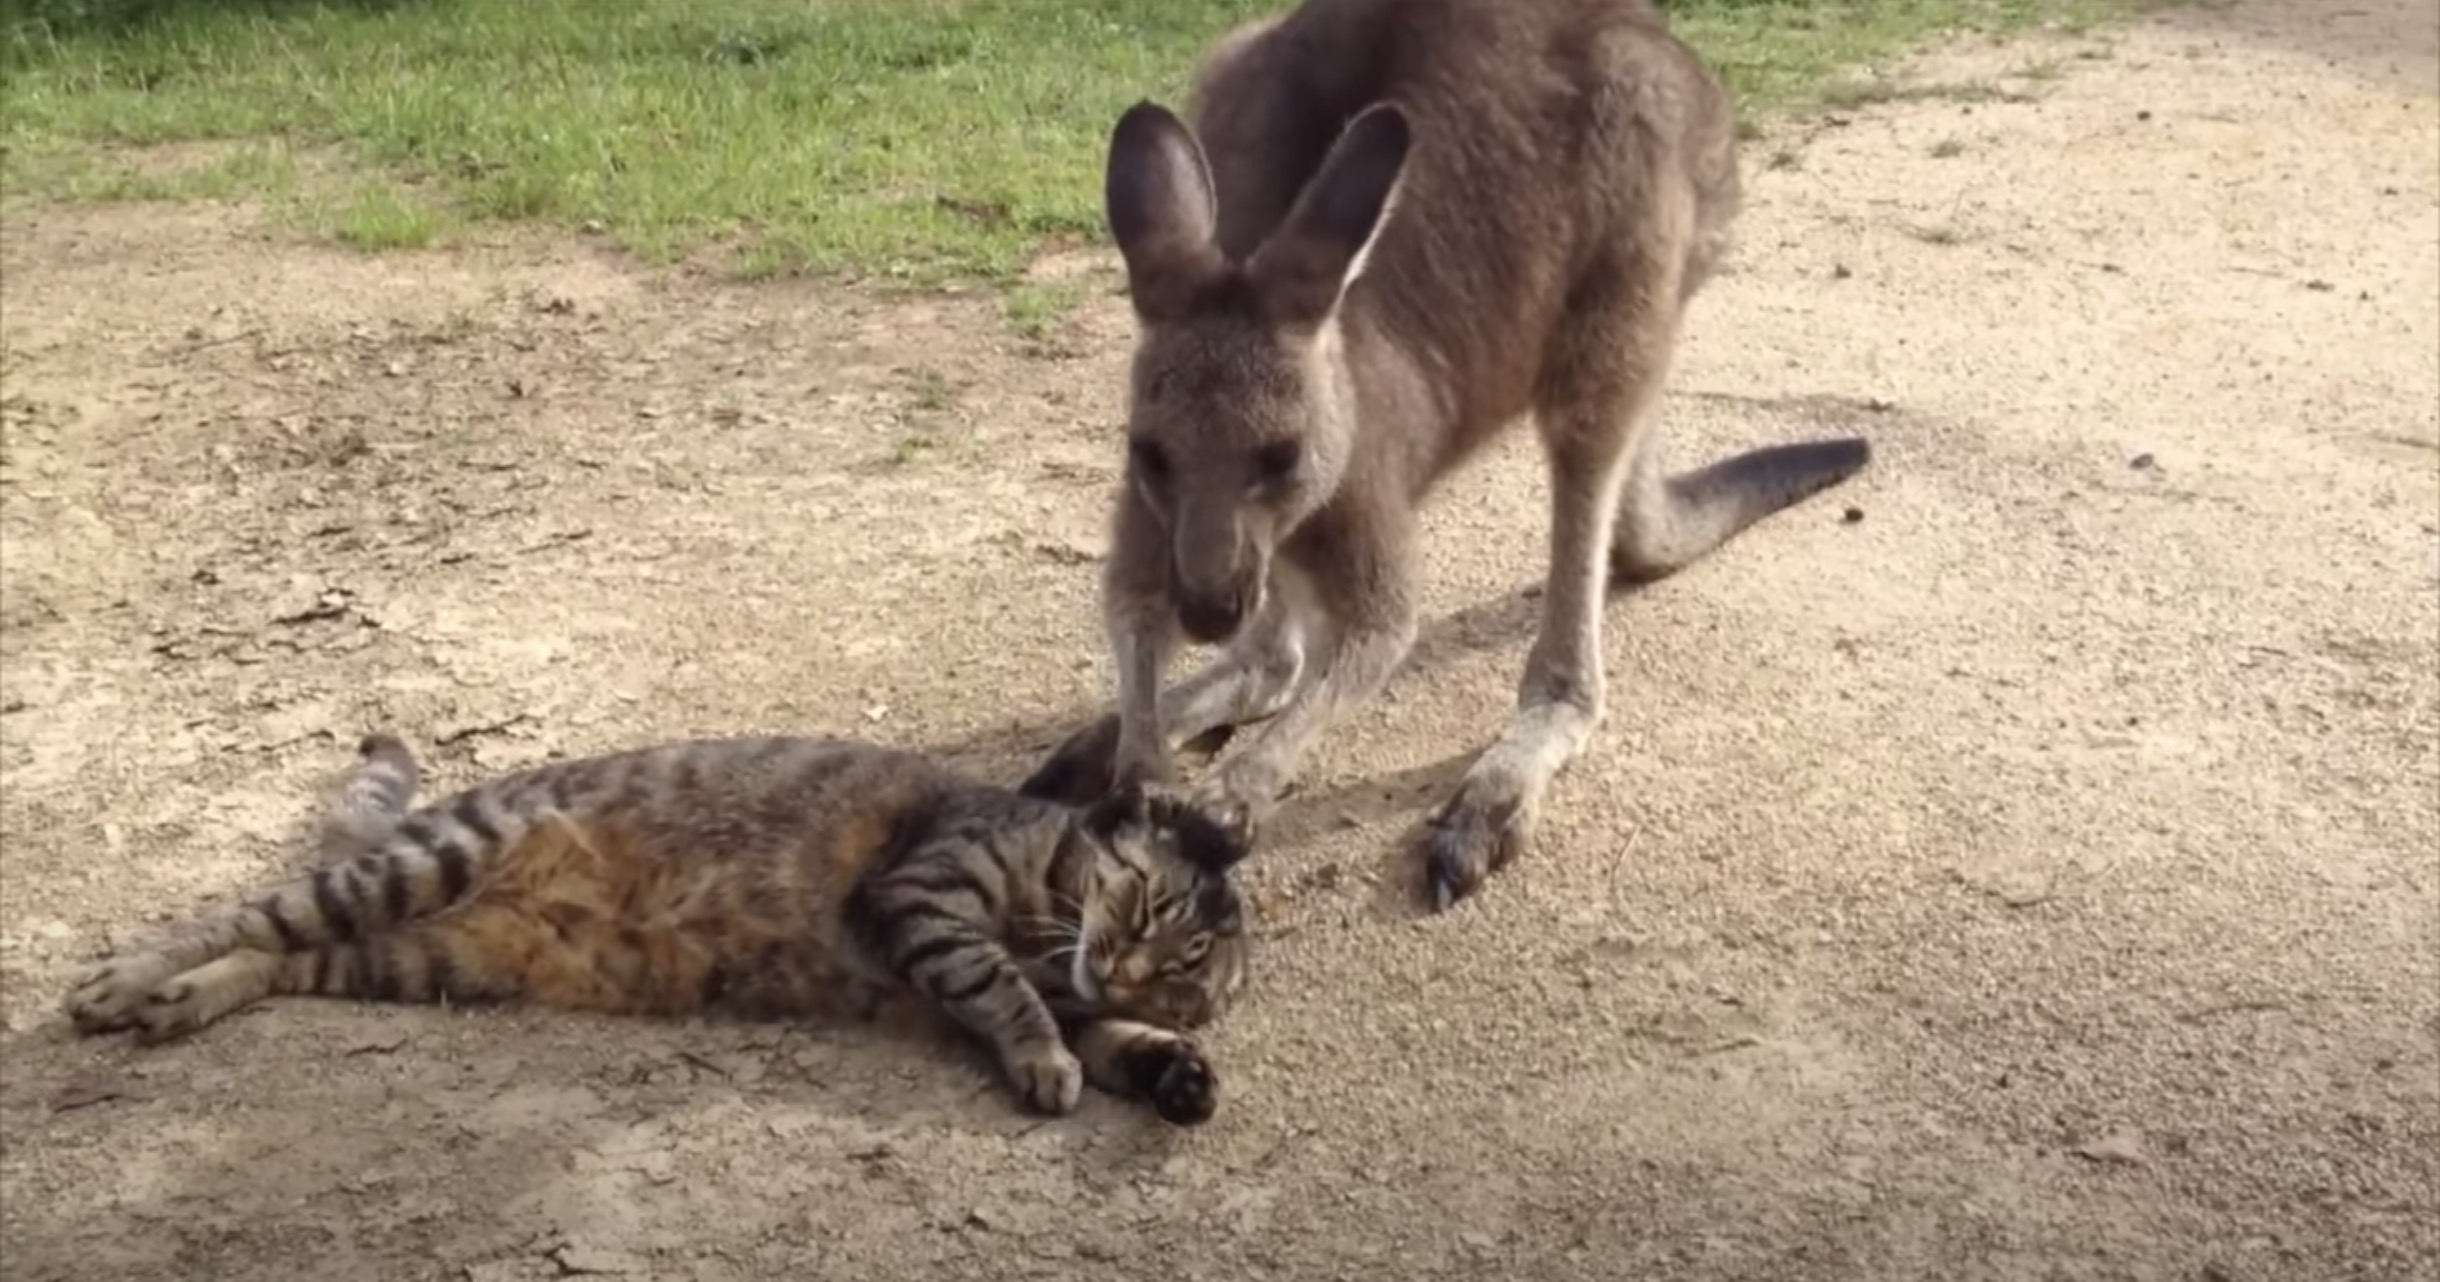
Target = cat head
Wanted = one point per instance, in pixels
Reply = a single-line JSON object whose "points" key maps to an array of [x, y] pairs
{"points": [[1162, 935]]}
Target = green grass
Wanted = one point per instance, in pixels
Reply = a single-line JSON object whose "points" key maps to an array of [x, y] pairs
{"points": [[917, 140]]}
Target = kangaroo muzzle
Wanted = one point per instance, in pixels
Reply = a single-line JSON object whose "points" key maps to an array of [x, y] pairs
{"points": [[1216, 572], [1213, 617]]}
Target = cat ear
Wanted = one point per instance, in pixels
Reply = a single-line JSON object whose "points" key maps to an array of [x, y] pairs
{"points": [[1223, 908]]}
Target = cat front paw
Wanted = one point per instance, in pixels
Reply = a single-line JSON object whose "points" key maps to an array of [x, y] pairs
{"points": [[1050, 1080], [1187, 1091]]}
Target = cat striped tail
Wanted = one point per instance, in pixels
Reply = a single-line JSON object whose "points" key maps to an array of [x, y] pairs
{"points": [[370, 799]]}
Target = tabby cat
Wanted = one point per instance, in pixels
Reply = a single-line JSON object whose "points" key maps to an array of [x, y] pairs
{"points": [[771, 877]]}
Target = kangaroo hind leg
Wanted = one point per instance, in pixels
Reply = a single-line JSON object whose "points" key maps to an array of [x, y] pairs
{"points": [[1596, 404]]}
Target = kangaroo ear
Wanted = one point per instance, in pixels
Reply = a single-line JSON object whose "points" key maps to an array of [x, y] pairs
{"points": [[1163, 212], [1306, 266]]}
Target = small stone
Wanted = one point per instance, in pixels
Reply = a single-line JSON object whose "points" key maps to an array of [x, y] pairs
{"points": [[1840, 271], [381, 1042], [1852, 515], [595, 1261], [85, 1093], [2119, 1148], [2143, 463]]}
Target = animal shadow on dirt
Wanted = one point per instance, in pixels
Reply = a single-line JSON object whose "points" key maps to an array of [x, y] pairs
{"points": [[510, 1113], [1009, 751], [1005, 754], [523, 1100]]}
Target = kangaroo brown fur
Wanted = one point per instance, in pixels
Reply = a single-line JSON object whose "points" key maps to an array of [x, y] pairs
{"points": [[1394, 228]]}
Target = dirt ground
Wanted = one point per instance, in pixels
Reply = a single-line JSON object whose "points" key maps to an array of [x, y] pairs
{"points": [[2032, 879]]}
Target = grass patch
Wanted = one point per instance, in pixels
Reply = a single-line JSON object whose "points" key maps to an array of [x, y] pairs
{"points": [[179, 172], [382, 214], [926, 402], [914, 140], [1037, 312], [1866, 93]]}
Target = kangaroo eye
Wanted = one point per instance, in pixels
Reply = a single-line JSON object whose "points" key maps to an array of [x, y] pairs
{"points": [[1195, 949], [1275, 463], [1148, 461]]}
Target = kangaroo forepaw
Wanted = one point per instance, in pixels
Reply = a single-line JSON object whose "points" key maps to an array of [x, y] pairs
{"points": [[1236, 816], [1465, 842]]}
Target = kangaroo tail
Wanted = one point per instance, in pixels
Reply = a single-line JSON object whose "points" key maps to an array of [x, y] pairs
{"points": [[1667, 522]]}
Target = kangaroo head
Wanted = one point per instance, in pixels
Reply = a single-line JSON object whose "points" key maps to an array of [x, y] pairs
{"points": [[1240, 408]]}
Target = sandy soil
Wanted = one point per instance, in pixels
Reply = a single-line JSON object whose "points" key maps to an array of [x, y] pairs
{"points": [[2033, 879]]}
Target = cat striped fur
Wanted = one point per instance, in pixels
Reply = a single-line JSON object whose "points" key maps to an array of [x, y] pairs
{"points": [[771, 877]]}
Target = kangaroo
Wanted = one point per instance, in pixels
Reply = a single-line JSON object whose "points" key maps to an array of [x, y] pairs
{"points": [[1393, 228]]}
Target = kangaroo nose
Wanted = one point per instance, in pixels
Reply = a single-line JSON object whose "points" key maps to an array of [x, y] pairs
{"points": [[1210, 619]]}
